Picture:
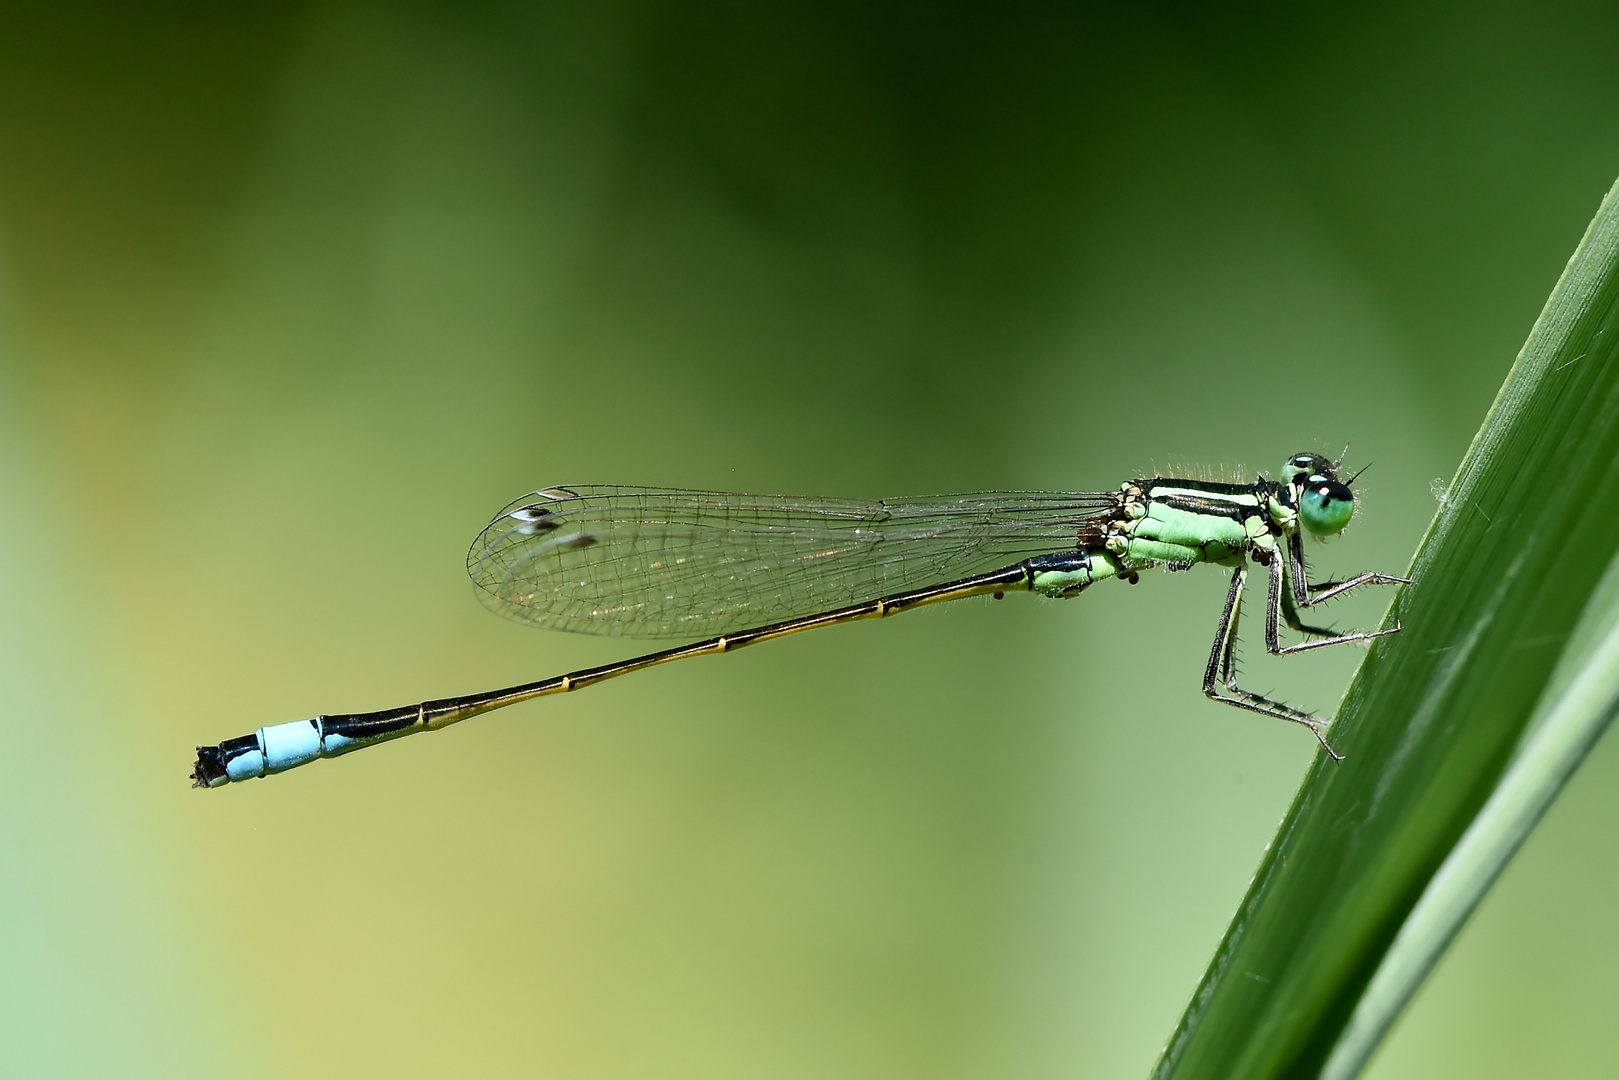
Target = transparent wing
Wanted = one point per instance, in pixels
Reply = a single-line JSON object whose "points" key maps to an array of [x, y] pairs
{"points": [[661, 563]]}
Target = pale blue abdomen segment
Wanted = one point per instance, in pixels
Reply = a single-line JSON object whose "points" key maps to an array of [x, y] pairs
{"points": [[285, 746]]}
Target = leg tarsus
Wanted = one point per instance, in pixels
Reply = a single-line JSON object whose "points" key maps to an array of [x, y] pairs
{"points": [[1325, 745]]}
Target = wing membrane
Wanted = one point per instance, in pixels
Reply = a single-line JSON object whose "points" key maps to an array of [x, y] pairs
{"points": [[664, 563]]}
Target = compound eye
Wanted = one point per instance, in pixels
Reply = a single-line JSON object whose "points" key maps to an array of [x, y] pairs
{"points": [[1326, 505]]}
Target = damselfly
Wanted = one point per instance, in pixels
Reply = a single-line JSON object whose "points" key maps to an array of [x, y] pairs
{"points": [[738, 569]]}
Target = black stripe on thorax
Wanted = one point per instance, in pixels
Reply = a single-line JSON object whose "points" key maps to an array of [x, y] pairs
{"points": [[1211, 505], [1213, 487]]}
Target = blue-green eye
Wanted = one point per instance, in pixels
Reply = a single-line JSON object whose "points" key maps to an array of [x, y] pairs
{"points": [[1326, 506]]}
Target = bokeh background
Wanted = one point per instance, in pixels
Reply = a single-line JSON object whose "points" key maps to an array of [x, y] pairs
{"points": [[294, 296]]}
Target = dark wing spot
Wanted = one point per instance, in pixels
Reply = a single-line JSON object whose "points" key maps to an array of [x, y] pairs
{"points": [[534, 520]]}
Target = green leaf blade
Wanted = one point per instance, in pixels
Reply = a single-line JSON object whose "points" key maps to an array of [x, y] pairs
{"points": [[1435, 713]]}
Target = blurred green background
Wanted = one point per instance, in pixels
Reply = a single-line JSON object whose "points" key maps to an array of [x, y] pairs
{"points": [[294, 296]]}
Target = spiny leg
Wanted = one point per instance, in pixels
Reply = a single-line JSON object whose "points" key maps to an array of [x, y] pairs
{"points": [[1281, 604], [1221, 669], [1306, 595], [1330, 590]]}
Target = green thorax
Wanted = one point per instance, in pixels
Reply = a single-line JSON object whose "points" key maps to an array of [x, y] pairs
{"points": [[1182, 522], [1179, 523]]}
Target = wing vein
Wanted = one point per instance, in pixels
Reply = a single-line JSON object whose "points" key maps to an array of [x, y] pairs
{"points": [[664, 563]]}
